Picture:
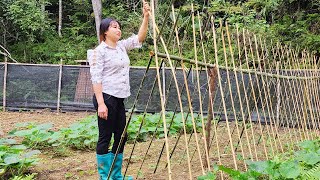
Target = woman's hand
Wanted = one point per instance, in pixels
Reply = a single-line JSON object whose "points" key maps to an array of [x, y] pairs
{"points": [[103, 111], [146, 9], [144, 25]]}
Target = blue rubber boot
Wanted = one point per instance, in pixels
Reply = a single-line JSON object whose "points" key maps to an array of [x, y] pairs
{"points": [[116, 173], [104, 163]]}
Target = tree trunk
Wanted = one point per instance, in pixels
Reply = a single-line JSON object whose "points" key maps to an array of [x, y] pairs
{"points": [[212, 73], [60, 18], [97, 10]]}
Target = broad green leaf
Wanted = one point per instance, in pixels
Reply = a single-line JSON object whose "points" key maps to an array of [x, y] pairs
{"points": [[31, 153], [45, 126], [87, 142], [308, 145], [258, 166], [310, 158], [151, 129], [208, 176], [19, 147], [231, 172], [23, 133], [7, 141], [74, 135], [23, 124], [54, 137], [2, 153], [44, 136], [290, 169], [11, 160]]}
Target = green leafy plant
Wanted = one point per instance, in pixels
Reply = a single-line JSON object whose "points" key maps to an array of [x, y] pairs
{"points": [[152, 123], [208, 176], [25, 177], [80, 135], [15, 158], [34, 136], [302, 164]]}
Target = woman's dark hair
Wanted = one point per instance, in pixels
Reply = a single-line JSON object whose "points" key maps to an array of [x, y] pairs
{"points": [[104, 26]]}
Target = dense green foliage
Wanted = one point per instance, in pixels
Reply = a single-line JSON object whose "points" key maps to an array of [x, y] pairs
{"points": [[84, 134], [15, 158], [301, 164], [29, 27]]}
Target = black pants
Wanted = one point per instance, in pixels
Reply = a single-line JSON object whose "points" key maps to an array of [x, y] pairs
{"points": [[114, 124]]}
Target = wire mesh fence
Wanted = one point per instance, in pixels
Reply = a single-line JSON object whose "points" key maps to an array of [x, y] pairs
{"points": [[31, 86]]}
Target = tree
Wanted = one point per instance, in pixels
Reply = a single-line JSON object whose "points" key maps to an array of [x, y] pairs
{"points": [[29, 16], [97, 10], [60, 18]]}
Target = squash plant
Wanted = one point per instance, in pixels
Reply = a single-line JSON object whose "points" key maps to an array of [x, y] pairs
{"points": [[15, 158]]}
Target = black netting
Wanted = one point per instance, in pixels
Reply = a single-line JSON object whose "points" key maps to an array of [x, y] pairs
{"points": [[76, 89], [32, 86], [171, 95]]}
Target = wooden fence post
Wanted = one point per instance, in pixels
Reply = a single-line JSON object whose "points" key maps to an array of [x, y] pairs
{"points": [[5, 83], [59, 86]]}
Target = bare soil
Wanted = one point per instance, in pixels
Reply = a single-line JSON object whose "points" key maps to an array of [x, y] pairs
{"points": [[146, 161]]}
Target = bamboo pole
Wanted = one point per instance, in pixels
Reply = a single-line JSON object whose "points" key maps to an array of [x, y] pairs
{"points": [[59, 85], [222, 95], [308, 99], [190, 109], [4, 100], [198, 84], [299, 98], [172, 57], [180, 45], [238, 89], [173, 73], [257, 56], [283, 100], [247, 103], [312, 96], [145, 110], [229, 84], [269, 95], [264, 84], [278, 96], [316, 94], [290, 89], [296, 96], [253, 94], [279, 99], [160, 91], [182, 64], [177, 87]]}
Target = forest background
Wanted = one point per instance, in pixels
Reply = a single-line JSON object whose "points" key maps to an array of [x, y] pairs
{"points": [[30, 28]]}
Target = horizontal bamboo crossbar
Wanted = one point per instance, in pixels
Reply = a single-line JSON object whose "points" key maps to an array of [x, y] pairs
{"points": [[162, 55]]}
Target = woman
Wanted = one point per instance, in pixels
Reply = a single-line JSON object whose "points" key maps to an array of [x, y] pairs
{"points": [[109, 68]]}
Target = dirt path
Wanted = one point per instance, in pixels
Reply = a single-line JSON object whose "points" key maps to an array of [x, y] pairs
{"points": [[59, 120]]}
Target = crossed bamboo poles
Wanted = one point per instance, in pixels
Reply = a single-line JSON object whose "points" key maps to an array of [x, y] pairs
{"points": [[273, 115]]}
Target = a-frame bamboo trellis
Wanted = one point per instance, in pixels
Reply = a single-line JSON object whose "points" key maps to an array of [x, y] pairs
{"points": [[262, 98]]}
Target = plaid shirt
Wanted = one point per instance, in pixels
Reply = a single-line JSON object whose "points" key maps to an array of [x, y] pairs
{"points": [[110, 66]]}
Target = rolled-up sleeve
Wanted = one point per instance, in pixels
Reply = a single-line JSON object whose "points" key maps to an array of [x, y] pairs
{"points": [[131, 43], [96, 66]]}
